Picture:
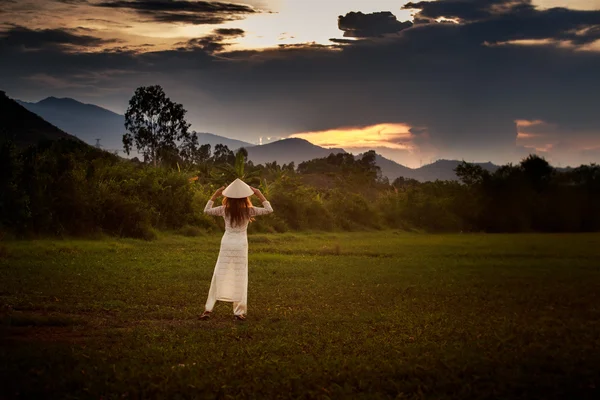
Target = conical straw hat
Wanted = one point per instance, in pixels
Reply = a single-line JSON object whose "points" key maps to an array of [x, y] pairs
{"points": [[238, 190]]}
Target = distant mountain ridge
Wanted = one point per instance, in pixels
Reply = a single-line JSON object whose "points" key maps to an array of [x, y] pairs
{"points": [[24, 127], [213, 140], [90, 122], [439, 170], [289, 150], [86, 121]]}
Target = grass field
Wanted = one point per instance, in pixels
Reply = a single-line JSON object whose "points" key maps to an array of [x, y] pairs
{"points": [[362, 315]]}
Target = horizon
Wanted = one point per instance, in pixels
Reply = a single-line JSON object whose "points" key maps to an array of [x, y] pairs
{"points": [[422, 164], [487, 80]]}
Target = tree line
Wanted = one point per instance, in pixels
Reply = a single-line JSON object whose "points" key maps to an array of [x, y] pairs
{"points": [[67, 188]]}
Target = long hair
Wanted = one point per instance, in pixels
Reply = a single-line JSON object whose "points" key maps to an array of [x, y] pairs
{"points": [[237, 210]]}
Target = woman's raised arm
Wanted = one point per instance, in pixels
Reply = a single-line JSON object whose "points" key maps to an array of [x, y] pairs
{"points": [[209, 209], [266, 208]]}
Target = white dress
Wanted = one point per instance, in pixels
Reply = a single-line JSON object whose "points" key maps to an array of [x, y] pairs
{"points": [[230, 278]]}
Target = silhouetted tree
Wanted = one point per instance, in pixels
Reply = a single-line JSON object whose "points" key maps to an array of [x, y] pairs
{"points": [[155, 123], [222, 155], [368, 162], [471, 174], [537, 171]]}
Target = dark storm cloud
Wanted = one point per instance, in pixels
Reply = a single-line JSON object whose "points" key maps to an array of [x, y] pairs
{"points": [[191, 12], [359, 25], [496, 21], [464, 95], [19, 36], [175, 5], [468, 10], [555, 24]]}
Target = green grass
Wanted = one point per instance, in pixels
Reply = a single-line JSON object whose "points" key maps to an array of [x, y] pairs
{"points": [[331, 315]]}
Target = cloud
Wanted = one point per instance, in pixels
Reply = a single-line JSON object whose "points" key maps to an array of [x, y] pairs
{"points": [[467, 10], [393, 136], [212, 43], [72, 1], [342, 41], [494, 21], [180, 11], [359, 25], [234, 32], [107, 22], [459, 95], [36, 39]]}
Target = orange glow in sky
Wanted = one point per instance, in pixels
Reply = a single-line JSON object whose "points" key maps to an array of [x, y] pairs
{"points": [[393, 136]]}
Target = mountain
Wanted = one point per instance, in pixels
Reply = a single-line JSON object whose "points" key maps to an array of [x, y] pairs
{"points": [[298, 150], [24, 127], [288, 150], [233, 144], [86, 121], [392, 169], [90, 122], [444, 170], [440, 170]]}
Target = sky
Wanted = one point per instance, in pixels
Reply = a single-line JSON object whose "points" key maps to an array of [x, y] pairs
{"points": [[479, 80]]}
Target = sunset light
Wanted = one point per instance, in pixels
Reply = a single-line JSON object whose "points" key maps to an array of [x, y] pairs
{"points": [[393, 136], [298, 199]]}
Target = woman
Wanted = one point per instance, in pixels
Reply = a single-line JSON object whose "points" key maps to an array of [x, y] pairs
{"points": [[230, 279]]}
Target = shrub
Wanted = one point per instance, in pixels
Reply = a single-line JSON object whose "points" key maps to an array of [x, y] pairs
{"points": [[190, 231]]}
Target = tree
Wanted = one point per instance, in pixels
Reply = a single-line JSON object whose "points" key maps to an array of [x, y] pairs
{"points": [[471, 174], [368, 163], [154, 123], [222, 155], [228, 172], [537, 171], [403, 183], [202, 154]]}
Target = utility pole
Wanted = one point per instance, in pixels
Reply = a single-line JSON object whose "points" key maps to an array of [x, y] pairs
{"points": [[98, 145]]}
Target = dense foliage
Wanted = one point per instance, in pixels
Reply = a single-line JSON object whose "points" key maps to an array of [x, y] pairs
{"points": [[68, 188]]}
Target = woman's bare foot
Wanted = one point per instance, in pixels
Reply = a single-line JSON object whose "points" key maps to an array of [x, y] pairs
{"points": [[206, 315], [240, 317]]}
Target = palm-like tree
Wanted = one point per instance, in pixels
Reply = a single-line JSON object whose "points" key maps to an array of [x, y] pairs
{"points": [[228, 172]]}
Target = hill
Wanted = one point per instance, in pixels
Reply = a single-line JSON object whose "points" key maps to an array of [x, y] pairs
{"points": [[24, 127], [90, 122], [392, 169], [288, 150], [86, 121], [444, 170], [233, 144], [439, 170]]}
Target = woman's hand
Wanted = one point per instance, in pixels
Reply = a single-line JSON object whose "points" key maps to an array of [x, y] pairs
{"points": [[258, 193], [218, 192]]}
